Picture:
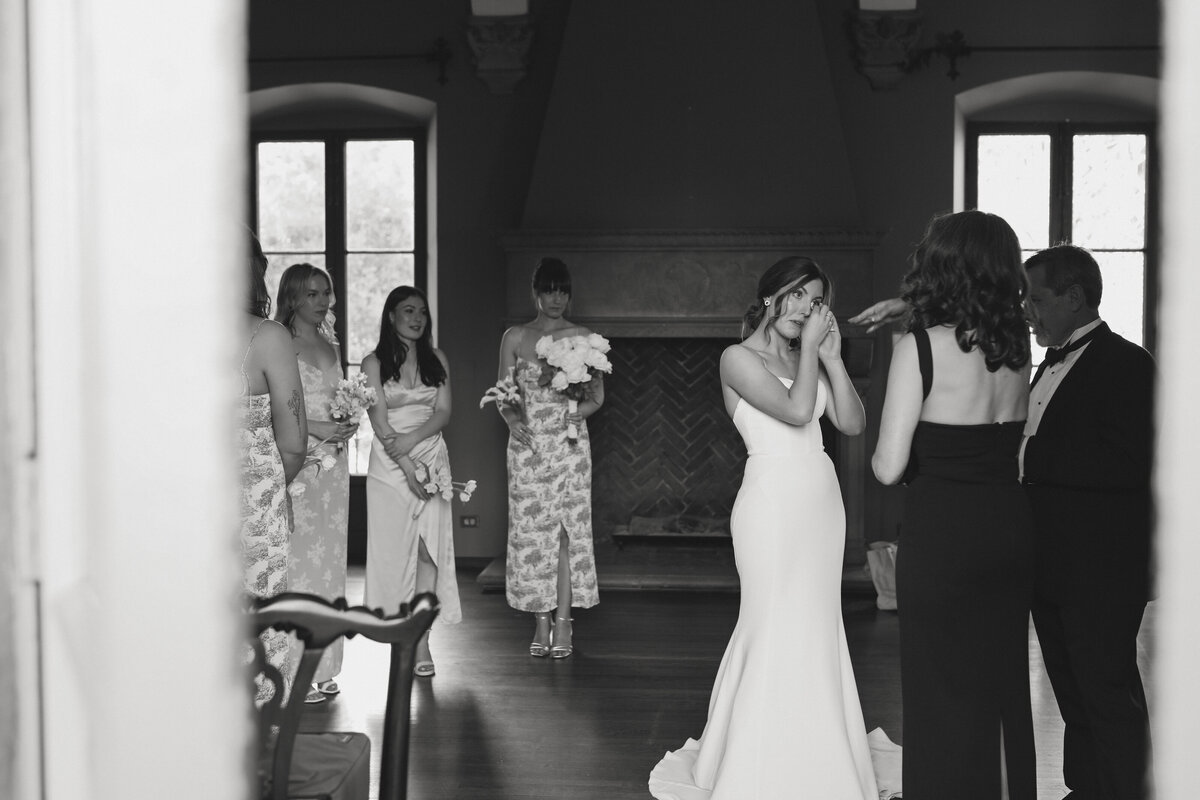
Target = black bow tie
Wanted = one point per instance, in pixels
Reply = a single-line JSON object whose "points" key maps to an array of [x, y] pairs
{"points": [[1056, 354]]}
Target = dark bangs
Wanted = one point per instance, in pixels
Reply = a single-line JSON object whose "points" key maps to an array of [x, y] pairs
{"points": [[551, 275]]}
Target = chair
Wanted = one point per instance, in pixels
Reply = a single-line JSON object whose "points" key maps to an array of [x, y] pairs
{"points": [[318, 623]]}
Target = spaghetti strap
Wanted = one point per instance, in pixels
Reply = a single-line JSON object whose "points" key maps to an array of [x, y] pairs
{"points": [[924, 360], [242, 366], [250, 344]]}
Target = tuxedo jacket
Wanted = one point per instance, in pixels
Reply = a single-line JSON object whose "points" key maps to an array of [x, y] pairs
{"points": [[1087, 472]]}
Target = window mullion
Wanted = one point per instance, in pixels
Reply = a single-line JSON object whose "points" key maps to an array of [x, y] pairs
{"points": [[335, 235], [420, 245], [1060, 184], [971, 189]]}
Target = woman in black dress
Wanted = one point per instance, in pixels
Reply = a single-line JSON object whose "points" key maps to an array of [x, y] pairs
{"points": [[957, 396]]}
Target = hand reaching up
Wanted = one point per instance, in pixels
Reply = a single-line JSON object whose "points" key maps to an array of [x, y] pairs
{"points": [[882, 313]]}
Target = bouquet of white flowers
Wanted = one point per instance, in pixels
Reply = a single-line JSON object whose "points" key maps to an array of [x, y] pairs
{"points": [[504, 393], [351, 398], [313, 456], [436, 479], [571, 364]]}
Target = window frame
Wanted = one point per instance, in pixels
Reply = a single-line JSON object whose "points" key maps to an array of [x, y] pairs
{"points": [[335, 140], [1061, 181]]}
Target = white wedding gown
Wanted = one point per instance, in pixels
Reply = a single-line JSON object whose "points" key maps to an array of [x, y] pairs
{"points": [[784, 720]]}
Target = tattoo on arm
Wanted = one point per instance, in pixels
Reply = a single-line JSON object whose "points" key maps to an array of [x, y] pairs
{"points": [[295, 405]]}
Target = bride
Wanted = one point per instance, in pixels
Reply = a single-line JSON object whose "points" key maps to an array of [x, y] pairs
{"points": [[784, 719]]}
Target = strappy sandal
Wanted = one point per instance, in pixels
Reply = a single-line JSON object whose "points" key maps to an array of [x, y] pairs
{"points": [[536, 648], [314, 696], [424, 669], [561, 650], [328, 687]]}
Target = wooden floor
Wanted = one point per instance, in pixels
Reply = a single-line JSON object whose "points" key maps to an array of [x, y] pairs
{"points": [[495, 724]]}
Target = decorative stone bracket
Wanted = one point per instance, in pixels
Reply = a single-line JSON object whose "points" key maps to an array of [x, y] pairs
{"points": [[501, 48], [885, 44]]}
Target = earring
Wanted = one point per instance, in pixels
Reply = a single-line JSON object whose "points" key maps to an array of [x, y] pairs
{"points": [[767, 301]]}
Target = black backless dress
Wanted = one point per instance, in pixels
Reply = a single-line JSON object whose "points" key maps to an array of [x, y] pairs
{"points": [[964, 575]]}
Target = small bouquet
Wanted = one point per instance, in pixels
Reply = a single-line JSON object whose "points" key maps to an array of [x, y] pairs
{"points": [[504, 393], [436, 480], [322, 460], [571, 364], [350, 399]]}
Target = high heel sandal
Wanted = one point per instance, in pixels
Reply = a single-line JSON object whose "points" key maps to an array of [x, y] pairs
{"points": [[424, 669], [561, 650], [536, 648]]}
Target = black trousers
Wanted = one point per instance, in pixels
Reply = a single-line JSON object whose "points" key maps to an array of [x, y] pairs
{"points": [[1090, 649]]}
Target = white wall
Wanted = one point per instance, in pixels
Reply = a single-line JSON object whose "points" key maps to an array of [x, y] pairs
{"points": [[1177, 663], [136, 128]]}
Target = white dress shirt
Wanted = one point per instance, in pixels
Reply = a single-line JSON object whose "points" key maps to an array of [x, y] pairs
{"points": [[1040, 394]]}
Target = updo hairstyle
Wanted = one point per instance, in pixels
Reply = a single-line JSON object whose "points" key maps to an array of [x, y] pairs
{"points": [[783, 274]]}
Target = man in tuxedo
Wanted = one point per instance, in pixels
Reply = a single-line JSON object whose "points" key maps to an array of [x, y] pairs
{"points": [[1086, 462]]}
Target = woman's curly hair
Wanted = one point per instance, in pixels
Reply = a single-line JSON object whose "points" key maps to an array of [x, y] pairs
{"points": [[967, 272]]}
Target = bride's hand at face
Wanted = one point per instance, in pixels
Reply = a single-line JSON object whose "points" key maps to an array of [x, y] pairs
{"points": [[830, 348], [816, 327]]}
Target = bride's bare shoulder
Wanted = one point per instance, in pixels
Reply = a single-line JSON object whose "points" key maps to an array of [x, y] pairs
{"points": [[737, 353], [740, 360]]}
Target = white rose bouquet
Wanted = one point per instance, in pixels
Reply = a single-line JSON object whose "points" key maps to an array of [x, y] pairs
{"points": [[571, 364]]}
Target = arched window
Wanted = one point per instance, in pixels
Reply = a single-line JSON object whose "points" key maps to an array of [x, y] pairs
{"points": [[338, 180], [1075, 163]]}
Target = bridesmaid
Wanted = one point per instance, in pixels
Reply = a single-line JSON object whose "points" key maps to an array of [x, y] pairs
{"points": [[271, 432], [320, 509], [410, 538], [951, 428], [550, 562]]}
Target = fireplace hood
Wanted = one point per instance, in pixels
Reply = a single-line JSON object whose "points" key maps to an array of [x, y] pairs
{"points": [[669, 174]]}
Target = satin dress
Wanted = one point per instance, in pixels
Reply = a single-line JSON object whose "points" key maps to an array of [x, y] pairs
{"points": [[397, 519]]}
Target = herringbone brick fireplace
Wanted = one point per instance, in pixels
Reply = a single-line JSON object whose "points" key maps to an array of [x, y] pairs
{"points": [[663, 444]]}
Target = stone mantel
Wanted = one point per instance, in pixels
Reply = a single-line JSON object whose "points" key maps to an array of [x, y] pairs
{"points": [[681, 282], [709, 238]]}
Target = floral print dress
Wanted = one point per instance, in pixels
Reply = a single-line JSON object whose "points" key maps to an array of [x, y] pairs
{"points": [[549, 490], [320, 513], [266, 530]]}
